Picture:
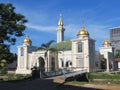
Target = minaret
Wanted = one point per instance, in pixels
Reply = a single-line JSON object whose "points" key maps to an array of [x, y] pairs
{"points": [[107, 52], [23, 59], [60, 30]]}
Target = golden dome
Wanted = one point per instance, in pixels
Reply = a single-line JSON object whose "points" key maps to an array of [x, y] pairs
{"points": [[106, 42], [60, 23], [27, 40], [83, 31]]}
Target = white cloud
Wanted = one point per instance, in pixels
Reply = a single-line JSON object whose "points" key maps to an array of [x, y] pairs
{"points": [[98, 31], [71, 30], [41, 28]]}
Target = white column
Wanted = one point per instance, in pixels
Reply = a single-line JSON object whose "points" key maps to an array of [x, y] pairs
{"points": [[25, 58], [18, 59], [107, 69]]}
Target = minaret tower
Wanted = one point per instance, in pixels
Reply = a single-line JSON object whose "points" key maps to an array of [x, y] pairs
{"points": [[23, 60], [107, 51], [60, 30]]}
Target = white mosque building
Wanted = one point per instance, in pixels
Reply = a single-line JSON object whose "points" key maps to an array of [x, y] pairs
{"points": [[76, 54]]}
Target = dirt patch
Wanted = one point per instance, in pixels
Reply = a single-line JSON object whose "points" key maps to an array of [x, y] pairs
{"points": [[101, 87], [105, 87]]}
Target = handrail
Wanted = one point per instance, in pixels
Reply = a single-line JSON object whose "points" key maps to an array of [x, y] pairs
{"points": [[67, 75]]}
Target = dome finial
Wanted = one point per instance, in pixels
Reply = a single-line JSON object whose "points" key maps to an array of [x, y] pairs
{"points": [[83, 27], [60, 22], [106, 42], [83, 31], [27, 40]]}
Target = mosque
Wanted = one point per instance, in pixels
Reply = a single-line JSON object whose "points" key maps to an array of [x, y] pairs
{"points": [[75, 54]]}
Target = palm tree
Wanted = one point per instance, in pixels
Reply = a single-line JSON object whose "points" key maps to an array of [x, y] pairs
{"points": [[47, 47]]}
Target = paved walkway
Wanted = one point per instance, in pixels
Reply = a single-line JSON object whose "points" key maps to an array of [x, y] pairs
{"points": [[38, 84]]}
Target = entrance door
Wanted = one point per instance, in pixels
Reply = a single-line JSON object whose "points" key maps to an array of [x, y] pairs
{"points": [[53, 64], [41, 64]]}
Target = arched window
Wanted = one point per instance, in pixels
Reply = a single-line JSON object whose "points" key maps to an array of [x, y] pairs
{"points": [[22, 51], [79, 46], [62, 63], [68, 63], [53, 64], [41, 64]]}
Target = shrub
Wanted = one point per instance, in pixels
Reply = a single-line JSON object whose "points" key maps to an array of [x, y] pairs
{"points": [[3, 71]]}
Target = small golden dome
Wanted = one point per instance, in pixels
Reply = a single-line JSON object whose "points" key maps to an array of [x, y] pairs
{"points": [[27, 40], [60, 23], [107, 42], [83, 31]]}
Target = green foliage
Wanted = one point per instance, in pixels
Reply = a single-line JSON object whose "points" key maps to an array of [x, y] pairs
{"points": [[11, 24], [47, 47], [3, 71], [103, 63], [3, 63], [16, 77], [103, 76], [7, 55], [3, 67], [19, 77], [117, 54]]}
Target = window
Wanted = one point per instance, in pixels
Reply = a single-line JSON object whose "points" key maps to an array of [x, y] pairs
{"points": [[53, 64], [22, 51], [79, 46]]}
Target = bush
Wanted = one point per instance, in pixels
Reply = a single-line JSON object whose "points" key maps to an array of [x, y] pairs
{"points": [[3, 71]]}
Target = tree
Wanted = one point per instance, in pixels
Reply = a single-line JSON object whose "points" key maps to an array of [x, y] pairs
{"points": [[117, 54], [103, 63], [47, 47], [11, 24], [7, 55]]}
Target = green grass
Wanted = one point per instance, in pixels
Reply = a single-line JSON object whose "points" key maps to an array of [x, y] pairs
{"points": [[103, 76], [16, 77]]}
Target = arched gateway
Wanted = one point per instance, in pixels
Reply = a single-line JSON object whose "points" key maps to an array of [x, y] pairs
{"points": [[41, 64]]}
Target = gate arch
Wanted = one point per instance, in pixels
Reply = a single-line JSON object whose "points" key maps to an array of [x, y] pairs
{"points": [[41, 64]]}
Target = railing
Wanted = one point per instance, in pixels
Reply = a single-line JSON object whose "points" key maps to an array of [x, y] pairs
{"points": [[75, 73], [65, 73], [55, 73]]}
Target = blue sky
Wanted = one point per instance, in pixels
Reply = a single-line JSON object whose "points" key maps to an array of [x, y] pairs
{"points": [[98, 16]]}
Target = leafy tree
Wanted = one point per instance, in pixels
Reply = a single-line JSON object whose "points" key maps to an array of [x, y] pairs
{"points": [[47, 47], [7, 55], [103, 63], [117, 54], [11, 24]]}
